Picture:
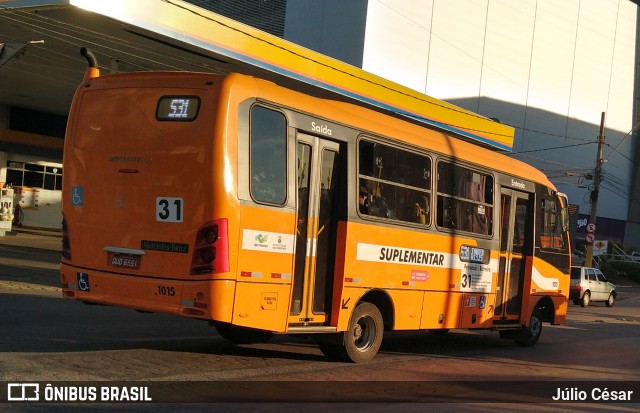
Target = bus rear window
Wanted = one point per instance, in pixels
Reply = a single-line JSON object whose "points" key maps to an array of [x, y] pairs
{"points": [[127, 120]]}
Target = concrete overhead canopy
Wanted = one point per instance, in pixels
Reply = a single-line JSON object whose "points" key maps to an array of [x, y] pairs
{"points": [[40, 65]]}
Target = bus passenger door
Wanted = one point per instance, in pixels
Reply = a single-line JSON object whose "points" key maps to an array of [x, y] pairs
{"points": [[318, 183], [516, 223]]}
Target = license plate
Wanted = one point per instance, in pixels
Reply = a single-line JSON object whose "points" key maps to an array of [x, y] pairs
{"points": [[125, 261]]}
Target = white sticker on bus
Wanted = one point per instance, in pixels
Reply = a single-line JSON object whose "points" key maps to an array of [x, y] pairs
{"points": [[544, 283], [473, 277], [169, 209], [386, 253], [267, 241], [476, 278]]}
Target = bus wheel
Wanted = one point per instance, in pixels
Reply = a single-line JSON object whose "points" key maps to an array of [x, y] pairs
{"points": [[241, 335], [362, 339], [530, 334]]}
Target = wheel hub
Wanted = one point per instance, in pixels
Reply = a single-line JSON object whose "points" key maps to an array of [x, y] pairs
{"points": [[357, 332]]}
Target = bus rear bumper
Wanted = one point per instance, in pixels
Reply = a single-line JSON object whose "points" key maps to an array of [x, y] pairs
{"points": [[204, 299]]}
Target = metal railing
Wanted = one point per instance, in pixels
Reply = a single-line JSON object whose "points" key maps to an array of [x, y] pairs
{"points": [[620, 255]]}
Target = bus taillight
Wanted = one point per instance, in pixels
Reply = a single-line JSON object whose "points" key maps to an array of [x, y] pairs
{"points": [[66, 244], [211, 248]]}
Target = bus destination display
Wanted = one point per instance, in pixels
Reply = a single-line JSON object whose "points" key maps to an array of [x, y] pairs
{"points": [[178, 108]]}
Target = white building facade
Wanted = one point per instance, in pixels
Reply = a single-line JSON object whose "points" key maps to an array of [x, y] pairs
{"points": [[549, 68]]}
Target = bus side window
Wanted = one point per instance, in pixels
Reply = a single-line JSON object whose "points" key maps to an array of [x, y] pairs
{"points": [[394, 183], [552, 227], [268, 165], [465, 199]]}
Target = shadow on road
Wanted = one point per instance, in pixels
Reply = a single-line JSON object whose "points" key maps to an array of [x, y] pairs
{"points": [[30, 259], [48, 324]]}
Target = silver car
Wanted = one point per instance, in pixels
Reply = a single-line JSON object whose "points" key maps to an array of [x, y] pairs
{"points": [[589, 284]]}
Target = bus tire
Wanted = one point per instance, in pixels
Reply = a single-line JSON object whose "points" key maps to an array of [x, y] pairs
{"points": [[363, 338], [241, 335], [529, 335]]}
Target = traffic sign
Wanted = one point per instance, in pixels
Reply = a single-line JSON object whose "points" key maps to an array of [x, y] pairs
{"points": [[589, 237], [600, 247], [591, 228]]}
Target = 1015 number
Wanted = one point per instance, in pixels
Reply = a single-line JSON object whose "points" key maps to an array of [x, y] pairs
{"points": [[169, 291]]}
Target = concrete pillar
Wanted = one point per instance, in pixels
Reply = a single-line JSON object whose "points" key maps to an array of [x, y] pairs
{"points": [[4, 124], [632, 231]]}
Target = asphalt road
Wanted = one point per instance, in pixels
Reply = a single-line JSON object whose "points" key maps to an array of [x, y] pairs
{"points": [[44, 338]]}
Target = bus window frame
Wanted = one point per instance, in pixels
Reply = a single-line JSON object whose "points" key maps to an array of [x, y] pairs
{"points": [[545, 224], [437, 193], [395, 144], [250, 187]]}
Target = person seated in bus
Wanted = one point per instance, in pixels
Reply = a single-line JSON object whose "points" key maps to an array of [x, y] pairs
{"points": [[379, 207], [420, 211], [364, 200], [446, 213]]}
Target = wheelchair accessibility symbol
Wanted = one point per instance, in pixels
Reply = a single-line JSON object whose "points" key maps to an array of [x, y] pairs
{"points": [[83, 282], [77, 195]]}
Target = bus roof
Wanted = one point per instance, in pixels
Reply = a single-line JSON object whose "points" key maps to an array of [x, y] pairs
{"points": [[415, 134], [359, 117]]}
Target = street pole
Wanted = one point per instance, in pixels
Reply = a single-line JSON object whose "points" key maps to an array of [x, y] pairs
{"points": [[597, 178]]}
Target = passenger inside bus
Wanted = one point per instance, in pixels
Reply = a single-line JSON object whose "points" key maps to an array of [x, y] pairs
{"points": [[364, 200], [421, 210]]}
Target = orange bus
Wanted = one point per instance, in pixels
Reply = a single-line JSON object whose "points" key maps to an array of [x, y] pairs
{"points": [[264, 210]]}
